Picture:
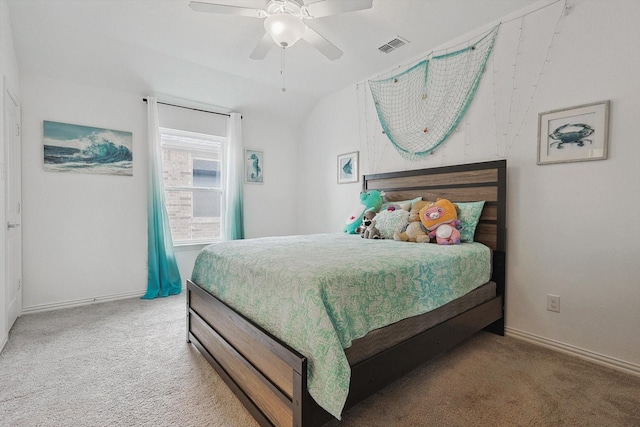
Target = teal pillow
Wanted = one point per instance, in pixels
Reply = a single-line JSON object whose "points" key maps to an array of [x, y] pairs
{"points": [[469, 215]]}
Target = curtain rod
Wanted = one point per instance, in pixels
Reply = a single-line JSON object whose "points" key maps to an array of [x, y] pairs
{"points": [[190, 108]]}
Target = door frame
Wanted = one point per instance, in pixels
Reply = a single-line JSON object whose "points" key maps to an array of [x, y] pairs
{"points": [[10, 100]]}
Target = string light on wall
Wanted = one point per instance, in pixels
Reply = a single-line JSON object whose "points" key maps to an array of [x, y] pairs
{"points": [[546, 61], [510, 118]]}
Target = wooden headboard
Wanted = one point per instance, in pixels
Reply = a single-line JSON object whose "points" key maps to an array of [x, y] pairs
{"points": [[460, 183]]}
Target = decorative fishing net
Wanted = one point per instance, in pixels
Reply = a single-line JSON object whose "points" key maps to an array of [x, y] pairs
{"points": [[420, 107]]}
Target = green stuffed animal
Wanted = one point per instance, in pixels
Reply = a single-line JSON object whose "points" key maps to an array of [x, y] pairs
{"points": [[369, 201]]}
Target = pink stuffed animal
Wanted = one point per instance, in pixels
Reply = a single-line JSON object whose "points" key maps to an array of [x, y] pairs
{"points": [[441, 219]]}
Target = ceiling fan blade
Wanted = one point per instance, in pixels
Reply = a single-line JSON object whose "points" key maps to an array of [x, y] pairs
{"points": [[334, 7], [224, 9], [263, 47], [323, 45]]}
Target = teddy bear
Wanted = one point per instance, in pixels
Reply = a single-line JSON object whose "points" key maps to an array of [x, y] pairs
{"points": [[441, 219], [366, 222], [372, 232], [414, 231], [369, 201]]}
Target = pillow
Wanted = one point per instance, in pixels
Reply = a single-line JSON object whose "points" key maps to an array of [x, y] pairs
{"points": [[405, 204], [388, 222], [469, 215]]}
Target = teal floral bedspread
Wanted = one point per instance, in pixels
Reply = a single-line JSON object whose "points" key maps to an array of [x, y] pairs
{"points": [[319, 292]]}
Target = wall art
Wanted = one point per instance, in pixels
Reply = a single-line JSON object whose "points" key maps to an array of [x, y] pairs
{"points": [[253, 166], [85, 149], [574, 134], [348, 168]]}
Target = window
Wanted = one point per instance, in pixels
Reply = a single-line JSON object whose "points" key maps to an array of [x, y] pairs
{"points": [[192, 167]]}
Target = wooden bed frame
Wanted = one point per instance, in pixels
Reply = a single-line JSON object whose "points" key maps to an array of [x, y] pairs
{"points": [[270, 378]]}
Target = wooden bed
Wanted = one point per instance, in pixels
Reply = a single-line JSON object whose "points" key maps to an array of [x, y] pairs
{"points": [[269, 377]]}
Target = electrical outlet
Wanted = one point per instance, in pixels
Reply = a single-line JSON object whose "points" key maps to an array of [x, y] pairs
{"points": [[553, 303]]}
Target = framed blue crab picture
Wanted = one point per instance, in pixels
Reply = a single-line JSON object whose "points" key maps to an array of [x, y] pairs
{"points": [[574, 134]]}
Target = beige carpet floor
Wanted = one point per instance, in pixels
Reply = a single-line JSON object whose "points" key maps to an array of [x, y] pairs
{"points": [[126, 363]]}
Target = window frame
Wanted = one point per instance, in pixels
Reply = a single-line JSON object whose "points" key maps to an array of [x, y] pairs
{"points": [[200, 146]]}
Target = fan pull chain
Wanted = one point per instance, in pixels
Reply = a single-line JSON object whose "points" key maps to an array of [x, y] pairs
{"points": [[282, 68]]}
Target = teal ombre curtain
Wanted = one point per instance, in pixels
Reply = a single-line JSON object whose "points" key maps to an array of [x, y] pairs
{"points": [[234, 219], [163, 275]]}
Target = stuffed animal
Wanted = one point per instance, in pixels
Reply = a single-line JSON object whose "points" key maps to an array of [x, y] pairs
{"points": [[366, 222], [369, 201], [393, 207], [372, 232], [441, 219], [414, 231]]}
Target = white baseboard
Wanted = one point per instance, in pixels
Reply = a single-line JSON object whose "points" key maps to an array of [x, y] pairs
{"points": [[86, 301], [80, 302], [588, 355]]}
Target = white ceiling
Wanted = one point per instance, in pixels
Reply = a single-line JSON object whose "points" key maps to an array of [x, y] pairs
{"points": [[164, 47]]}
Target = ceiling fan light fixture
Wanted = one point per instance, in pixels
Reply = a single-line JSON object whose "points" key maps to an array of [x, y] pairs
{"points": [[285, 29]]}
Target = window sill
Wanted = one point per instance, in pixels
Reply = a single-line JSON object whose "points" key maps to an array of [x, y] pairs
{"points": [[184, 247]]}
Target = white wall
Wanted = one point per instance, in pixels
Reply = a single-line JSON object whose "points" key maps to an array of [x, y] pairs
{"points": [[85, 234], [8, 70], [572, 226], [330, 130], [270, 208]]}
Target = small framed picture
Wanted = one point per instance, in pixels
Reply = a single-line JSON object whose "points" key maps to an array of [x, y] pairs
{"points": [[574, 134], [253, 166], [348, 168]]}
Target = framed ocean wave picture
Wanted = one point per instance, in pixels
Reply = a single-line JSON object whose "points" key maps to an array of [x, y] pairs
{"points": [[86, 149]]}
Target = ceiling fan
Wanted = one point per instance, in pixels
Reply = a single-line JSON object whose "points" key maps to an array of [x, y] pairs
{"points": [[284, 21]]}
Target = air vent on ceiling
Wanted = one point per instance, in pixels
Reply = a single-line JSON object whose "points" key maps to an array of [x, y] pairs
{"points": [[392, 45]]}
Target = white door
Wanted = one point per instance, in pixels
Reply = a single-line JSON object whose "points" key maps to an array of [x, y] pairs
{"points": [[13, 199]]}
